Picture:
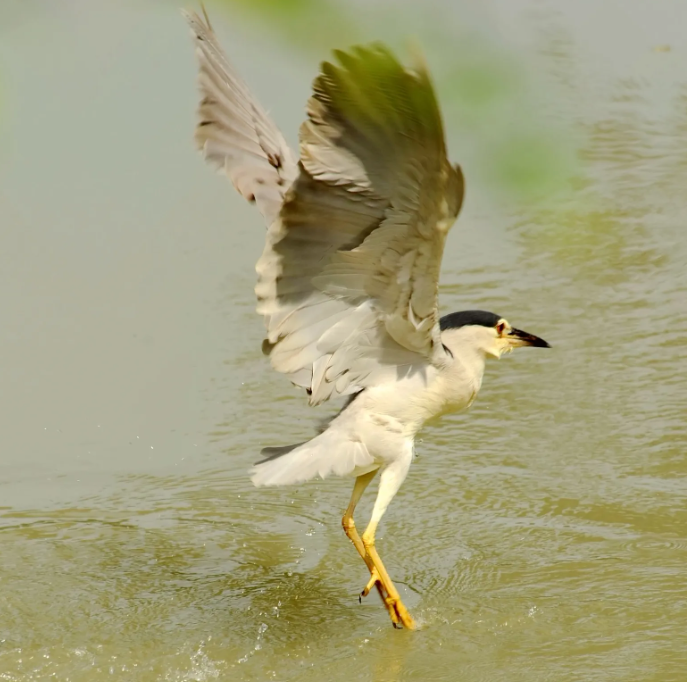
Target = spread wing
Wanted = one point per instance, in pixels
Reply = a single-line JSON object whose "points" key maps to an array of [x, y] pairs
{"points": [[348, 279], [236, 136]]}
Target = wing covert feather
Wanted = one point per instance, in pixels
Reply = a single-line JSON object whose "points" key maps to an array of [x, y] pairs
{"points": [[348, 280]]}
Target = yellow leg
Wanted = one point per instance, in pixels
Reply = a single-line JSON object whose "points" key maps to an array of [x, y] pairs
{"points": [[347, 521], [397, 609], [391, 479], [348, 524]]}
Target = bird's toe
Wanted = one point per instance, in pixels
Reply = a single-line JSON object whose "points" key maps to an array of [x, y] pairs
{"points": [[374, 580]]}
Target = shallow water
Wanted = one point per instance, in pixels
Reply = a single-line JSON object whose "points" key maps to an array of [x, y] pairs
{"points": [[540, 536]]}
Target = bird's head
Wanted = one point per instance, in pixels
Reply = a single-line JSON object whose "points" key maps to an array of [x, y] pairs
{"points": [[485, 332]]}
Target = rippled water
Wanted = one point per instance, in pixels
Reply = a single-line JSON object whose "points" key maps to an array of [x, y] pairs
{"points": [[540, 536]]}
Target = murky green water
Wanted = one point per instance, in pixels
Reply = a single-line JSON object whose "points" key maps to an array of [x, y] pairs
{"points": [[540, 536]]}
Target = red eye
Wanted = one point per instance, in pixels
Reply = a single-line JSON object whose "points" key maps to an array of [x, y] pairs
{"points": [[500, 327]]}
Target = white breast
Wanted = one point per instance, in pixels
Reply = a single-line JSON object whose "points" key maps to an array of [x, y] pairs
{"points": [[412, 401]]}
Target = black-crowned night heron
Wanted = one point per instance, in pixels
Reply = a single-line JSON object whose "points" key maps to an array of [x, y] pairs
{"points": [[348, 279]]}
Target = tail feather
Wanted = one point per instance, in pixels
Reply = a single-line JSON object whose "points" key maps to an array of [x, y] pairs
{"points": [[279, 451], [326, 454]]}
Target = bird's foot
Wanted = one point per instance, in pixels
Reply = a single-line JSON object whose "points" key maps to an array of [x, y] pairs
{"points": [[374, 580], [396, 608]]}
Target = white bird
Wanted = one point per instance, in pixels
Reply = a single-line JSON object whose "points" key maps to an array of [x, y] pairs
{"points": [[348, 279]]}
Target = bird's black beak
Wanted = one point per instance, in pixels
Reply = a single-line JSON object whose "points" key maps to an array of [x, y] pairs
{"points": [[517, 337]]}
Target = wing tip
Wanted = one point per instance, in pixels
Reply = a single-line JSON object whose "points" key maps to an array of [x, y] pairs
{"points": [[201, 26]]}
